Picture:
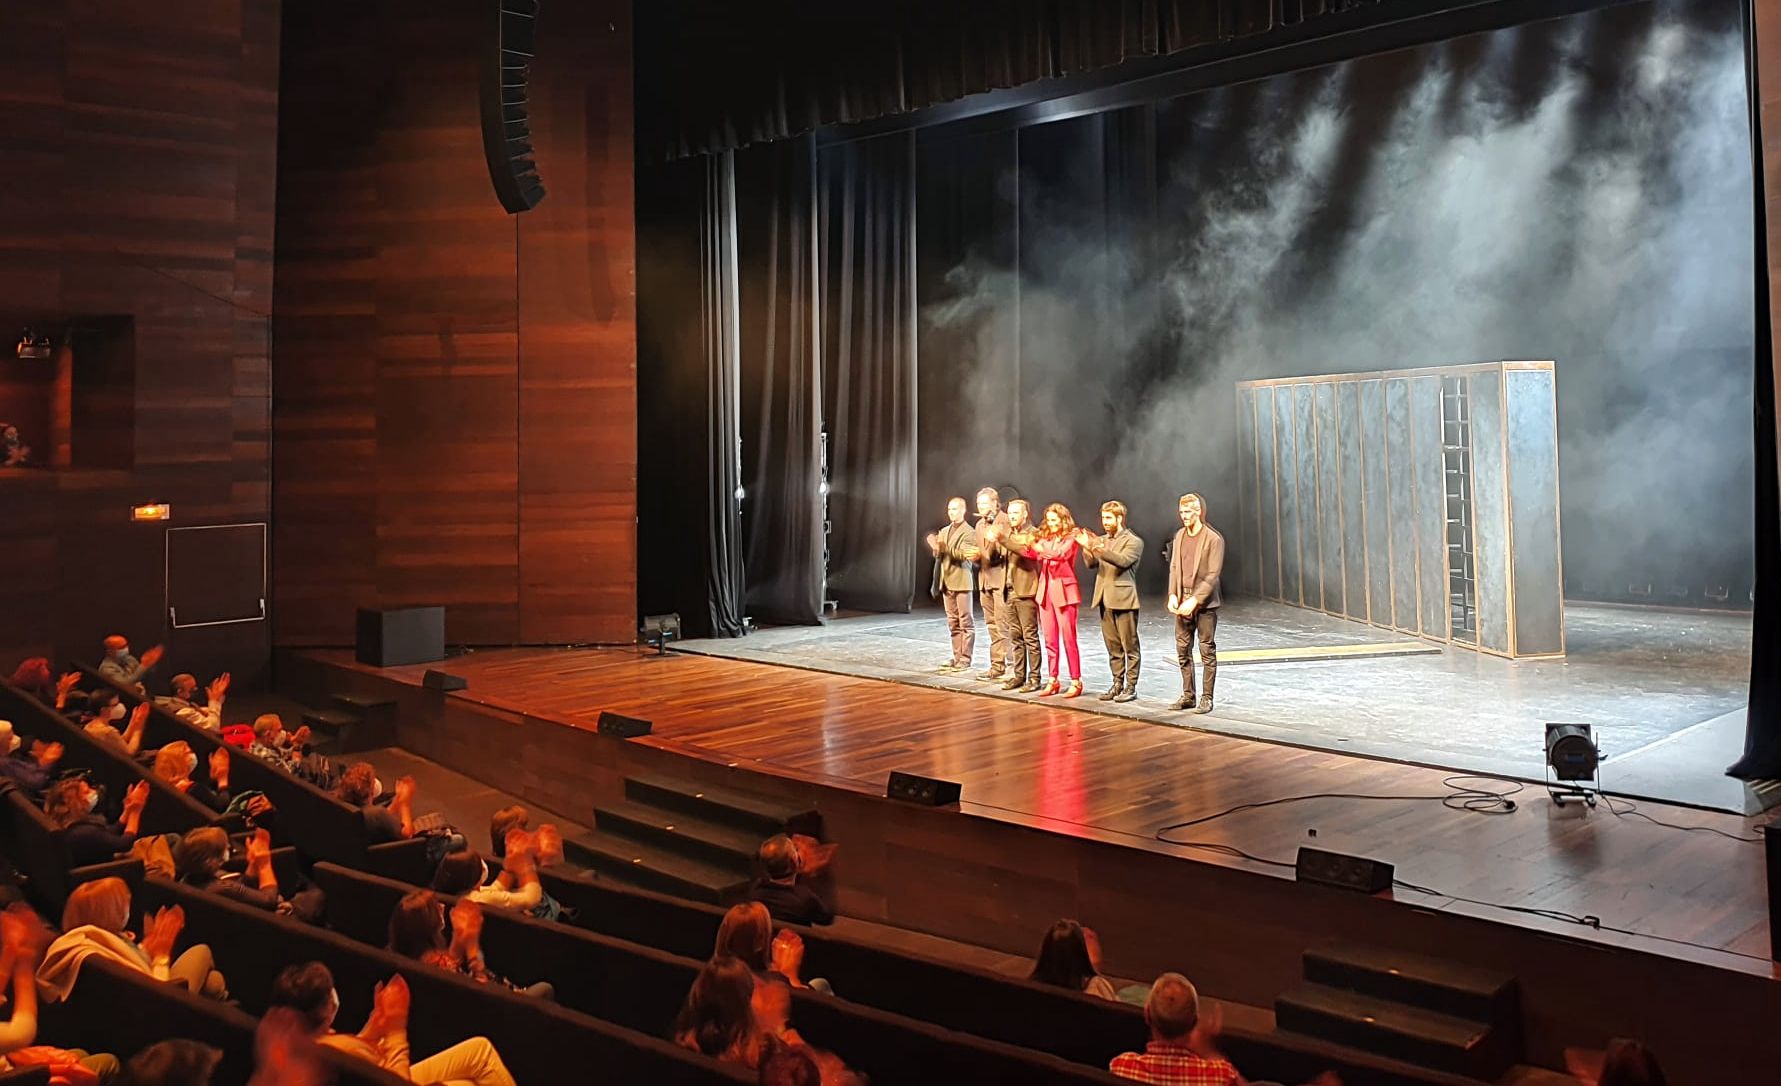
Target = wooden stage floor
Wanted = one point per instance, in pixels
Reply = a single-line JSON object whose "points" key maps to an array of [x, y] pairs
{"points": [[1695, 895]]}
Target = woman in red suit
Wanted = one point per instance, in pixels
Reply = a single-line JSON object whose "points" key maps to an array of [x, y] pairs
{"points": [[1056, 548]]}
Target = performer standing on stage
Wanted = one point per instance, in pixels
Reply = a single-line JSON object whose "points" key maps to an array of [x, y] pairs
{"points": [[1115, 557], [1195, 565], [1059, 596], [955, 547], [992, 579], [1014, 541]]}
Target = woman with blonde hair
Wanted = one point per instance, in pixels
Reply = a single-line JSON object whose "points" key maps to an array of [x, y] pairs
{"points": [[94, 922], [1056, 548], [746, 934], [176, 762]]}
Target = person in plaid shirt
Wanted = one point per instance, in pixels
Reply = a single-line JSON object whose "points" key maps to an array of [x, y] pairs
{"points": [[1178, 1053]]}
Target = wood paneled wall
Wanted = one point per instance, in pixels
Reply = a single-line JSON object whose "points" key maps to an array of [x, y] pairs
{"points": [[455, 390], [139, 156]]}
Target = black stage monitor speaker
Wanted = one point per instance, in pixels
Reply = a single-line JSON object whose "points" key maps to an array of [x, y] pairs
{"points": [[1343, 872], [443, 681], [401, 635], [927, 791], [625, 727], [506, 130]]}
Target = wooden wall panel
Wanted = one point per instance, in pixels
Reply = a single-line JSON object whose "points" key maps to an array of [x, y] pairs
{"points": [[140, 171], [455, 388]]}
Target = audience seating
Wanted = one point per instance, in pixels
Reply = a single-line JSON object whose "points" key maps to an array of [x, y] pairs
{"points": [[323, 827], [539, 1041], [35, 845], [120, 1011], [640, 987], [1019, 1012], [169, 810]]}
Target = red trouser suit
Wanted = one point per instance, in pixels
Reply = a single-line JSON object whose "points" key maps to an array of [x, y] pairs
{"points": [[1059, 597]]}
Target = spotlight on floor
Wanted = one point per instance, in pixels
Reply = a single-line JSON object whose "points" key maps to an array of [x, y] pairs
{"points": [[1571, 757], [658, 630]]}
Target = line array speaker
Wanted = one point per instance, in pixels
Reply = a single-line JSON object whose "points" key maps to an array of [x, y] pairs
{"points": [[927, 791], [443, 681], [1343, 872], [506, 129], [625, 727]]}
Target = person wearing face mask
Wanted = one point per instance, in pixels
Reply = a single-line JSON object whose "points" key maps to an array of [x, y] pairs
{"points": [[308, 990], [184, 703], [32, 771], [121, 667], [103, 730], [360, 787], [73, 806], [176, 762], [201, 860]]}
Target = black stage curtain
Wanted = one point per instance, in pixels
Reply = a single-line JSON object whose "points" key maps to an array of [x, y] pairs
{"points": [[781, 381], [714, 74], [1762, 729], [867, 246], [720, 323]]}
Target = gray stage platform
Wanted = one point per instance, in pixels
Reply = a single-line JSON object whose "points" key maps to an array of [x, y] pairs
{"points": [[1665, 689]]}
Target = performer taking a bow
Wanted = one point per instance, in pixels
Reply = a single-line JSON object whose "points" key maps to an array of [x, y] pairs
{"points": [[1056, 548], [1114, 556], [992, 579], [1196, 561], [955, 548]]}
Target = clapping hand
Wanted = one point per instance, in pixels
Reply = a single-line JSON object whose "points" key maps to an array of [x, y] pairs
{"points": [[788, 956], [152, 656], [45, 754], [138, 718], [160, 930], [259, 851], [218, 689], [300, 737], [548, 845], [389, 1007], [65, 686], [219, 766], [136, 797], [404, 791], [466, 923], [22, 933]]}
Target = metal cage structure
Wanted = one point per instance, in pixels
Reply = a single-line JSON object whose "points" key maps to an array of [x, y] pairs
{"points": [[1424, 501]]}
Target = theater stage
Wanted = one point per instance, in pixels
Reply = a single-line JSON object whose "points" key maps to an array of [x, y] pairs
{"points": [[1664, 689]]}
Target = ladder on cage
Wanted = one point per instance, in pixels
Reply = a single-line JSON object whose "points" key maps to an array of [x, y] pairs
{"points": [[1456, 475]]}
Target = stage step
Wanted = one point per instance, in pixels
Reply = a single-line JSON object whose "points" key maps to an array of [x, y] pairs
{"points": [[331, 728], [1483, 995], [1441, 1042], [375, 727], [762, 817], [641, 864], [681, 832]]}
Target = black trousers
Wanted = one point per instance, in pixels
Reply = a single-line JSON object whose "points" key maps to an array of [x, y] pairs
{"points": [[1119, 630], [1024, 661], [1201, 626]]}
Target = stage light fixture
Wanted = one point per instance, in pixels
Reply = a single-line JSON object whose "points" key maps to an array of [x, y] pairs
{"points": [[1571, 752], [154, 511], [34, 345], [658, 630]]}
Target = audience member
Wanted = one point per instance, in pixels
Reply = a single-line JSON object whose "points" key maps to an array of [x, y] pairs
{"points": [[184, 705], [308, 989], [360, 787], [93, 922], [787, 959], [516, 819], [1179, 1052], [1065, 961], [285, 1054], [22, 941], [746, 933], [178, 1062], [783, 888], [33, 771], [517, 888], [129, 741], [771, 1004], [34, 678], [417, 931], [72, 806], [201, 859], [504, 822], [285, 749], [122, 668], [718, 1016], [177, 761]]}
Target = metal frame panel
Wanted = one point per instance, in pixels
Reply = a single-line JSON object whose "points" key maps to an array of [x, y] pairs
{"points": [[1310, 540], [1329, 497], [1354, 527], [1267, 506], [1490, 511], [1248, 503], [1375, 508], [1286, 468], [1400, 455], [1536, 553], [1431, 506]]}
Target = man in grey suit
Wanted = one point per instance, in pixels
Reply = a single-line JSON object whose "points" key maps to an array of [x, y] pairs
{"points": [[992, 579], [1022, 601], [1115, 555], [955, 546], [1196, 562]]}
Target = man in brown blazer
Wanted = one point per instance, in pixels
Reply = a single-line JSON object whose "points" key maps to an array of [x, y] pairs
{"points": [[1022, 600], [992, 579], [1114, 556], [1196, 563], [955, 546]]}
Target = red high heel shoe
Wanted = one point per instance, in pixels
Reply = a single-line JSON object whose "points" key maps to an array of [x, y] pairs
{"points": [[1074, 689], [1049, 689]]}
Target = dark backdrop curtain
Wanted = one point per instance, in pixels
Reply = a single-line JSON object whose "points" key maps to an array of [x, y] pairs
{"points": [[867, 216], [1762, 731], [781, 381], [725, 583]]}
